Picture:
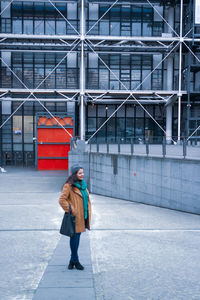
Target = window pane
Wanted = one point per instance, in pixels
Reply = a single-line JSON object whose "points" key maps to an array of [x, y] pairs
{"points": [[139, 127], [102, 132], [114, 85], [102, 11], [16, 82], [147, 80], [129, 127], [104, 27], [28, 26], [92, 79], [50, 81], [93, 11], [146, 62], [39, 27], [72, 78], [17, 26], [114, 75], [111, 129], [136, 29], [115, 13], [91, 126], [72, 11], [92, 110], [60, 27], [147, 29], [28, 77], [120, 127], [71, 60], [137, 13], [39, 8], [17, 129], [39, 76], [61, 77], [28, 129], [115, 28], [103, 79], [50, 27]]}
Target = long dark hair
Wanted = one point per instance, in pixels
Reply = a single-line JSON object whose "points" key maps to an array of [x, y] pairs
{"points": [[72, 179]]}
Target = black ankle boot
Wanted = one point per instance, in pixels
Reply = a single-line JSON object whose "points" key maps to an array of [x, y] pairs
{"points": [[78, 266], [71, 265]]}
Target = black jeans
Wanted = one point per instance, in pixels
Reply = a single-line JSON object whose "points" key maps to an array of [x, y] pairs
{"points": [[74, 244]]}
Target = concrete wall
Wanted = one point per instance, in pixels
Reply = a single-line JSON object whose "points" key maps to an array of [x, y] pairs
{"points": [[165, 182]]}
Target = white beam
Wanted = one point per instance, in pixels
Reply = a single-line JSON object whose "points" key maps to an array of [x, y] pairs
{"points": [[96, 37], [38, 37], [92, 91], [82, 73], [180, 71]]}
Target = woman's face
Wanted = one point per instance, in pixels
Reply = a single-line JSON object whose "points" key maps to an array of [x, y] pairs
{"points": [[80, 174]]}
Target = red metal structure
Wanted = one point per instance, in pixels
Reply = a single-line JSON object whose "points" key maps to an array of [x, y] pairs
{"points": [[53, 141]]}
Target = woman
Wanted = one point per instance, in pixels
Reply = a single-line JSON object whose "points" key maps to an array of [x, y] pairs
{"points": [[76, 194]]}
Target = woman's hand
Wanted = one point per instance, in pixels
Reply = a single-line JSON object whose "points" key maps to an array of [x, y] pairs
{"points": [[73, 210]]}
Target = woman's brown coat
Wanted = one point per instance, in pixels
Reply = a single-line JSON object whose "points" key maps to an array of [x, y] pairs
{"points": [[74, 197]]}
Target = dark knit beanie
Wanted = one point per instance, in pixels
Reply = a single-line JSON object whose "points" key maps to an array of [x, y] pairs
{"points": [[75, 168]]}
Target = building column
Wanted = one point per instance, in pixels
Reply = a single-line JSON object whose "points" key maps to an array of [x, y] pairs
{"points": [[82, 74], [180, 71], [5, 9], [169, 80]]}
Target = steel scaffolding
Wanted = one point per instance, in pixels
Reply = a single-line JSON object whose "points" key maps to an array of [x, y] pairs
{"points": [[83, 42]]}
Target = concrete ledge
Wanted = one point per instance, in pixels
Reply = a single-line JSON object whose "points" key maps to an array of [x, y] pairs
{"points": [[60, 283]]}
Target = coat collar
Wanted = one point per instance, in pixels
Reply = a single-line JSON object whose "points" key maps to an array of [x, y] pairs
{"points": [[77, 191]]}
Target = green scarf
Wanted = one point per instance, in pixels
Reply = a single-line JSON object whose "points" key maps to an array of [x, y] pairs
{"points": [[82, 187]]}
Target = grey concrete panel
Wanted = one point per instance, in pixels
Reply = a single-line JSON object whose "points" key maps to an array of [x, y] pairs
{"points": [[54, 280], [146, 179], [64, 294]]}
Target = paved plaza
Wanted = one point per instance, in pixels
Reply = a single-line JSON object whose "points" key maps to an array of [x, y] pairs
{"points": [[134, 251]]}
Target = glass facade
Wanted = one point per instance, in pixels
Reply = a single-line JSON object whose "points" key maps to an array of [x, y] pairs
{"points": [[40, 18], [32, 68], [126, 20], [130, 69], [131, 44]]}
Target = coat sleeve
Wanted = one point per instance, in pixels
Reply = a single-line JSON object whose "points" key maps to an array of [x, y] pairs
{"points": [[64, 198]]}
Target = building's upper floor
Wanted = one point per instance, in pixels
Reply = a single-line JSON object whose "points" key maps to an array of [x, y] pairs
{"points": [[125, 18]]}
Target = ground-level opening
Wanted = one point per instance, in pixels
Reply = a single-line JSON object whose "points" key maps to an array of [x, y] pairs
{"points": [[18, 135]]}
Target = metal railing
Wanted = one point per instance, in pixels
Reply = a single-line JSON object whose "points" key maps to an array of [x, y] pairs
{"points": [[150, 147]]}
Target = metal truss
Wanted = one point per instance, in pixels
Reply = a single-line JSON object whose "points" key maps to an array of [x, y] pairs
{"points": [[102, 44], [130, 95], [32, 92]]}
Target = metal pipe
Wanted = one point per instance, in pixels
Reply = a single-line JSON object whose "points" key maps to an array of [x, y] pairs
{"points": [[93, 91], [95, 37], [82, 73], [180, 69], [103, 101]]}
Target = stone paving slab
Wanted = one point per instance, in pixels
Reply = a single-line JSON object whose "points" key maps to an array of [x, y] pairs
{"points": [[65, 294], [60, 283]]}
